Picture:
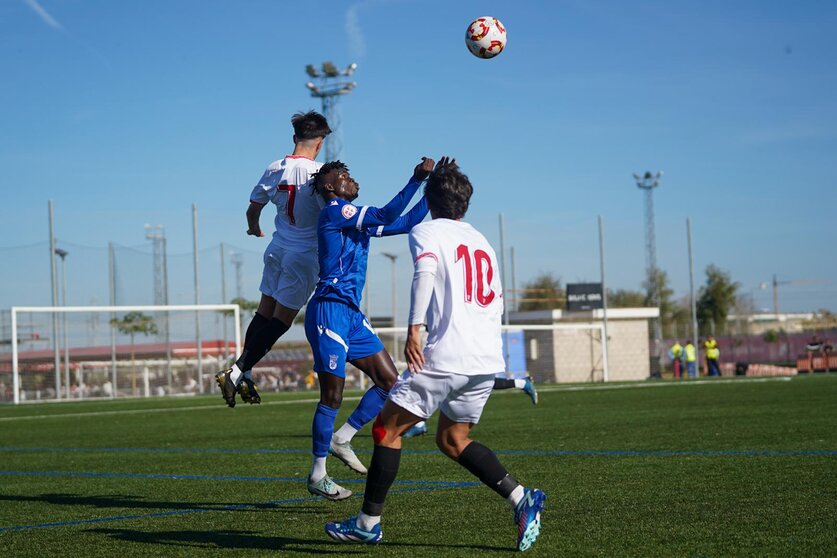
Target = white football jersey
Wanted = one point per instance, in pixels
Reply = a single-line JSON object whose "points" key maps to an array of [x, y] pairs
{"points": [[465, 311], [288, 184]]}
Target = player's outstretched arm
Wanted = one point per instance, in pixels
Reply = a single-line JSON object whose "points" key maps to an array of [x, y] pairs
{"points": [[377, 216], [406, 222]]}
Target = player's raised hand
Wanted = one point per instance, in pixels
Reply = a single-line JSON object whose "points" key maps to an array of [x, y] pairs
{"points": [[445, 162], [424, 168], [255, 231]]}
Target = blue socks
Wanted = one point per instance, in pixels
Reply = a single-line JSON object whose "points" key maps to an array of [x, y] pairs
{"points": [[322, 429], [370, 405]]}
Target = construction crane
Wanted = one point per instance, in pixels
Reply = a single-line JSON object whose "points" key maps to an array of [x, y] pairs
{"points": [[777, 283]]}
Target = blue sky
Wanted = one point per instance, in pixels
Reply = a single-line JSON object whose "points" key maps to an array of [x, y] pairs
{"points": [[126, 113]]}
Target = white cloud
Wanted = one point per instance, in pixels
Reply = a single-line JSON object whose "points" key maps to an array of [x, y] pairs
{"points": [[357, 42], [43, 14]]}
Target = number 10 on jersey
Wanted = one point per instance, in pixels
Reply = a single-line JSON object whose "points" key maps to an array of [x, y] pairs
{"points": [[479, 273]]}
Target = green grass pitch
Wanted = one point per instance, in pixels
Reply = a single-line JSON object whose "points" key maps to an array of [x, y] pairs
{"points": [[743, 467]]}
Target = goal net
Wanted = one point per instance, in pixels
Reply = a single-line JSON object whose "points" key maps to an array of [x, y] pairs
{"points": [[78, 352]]}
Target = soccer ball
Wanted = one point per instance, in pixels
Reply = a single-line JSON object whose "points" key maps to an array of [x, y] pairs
{"points": [[486, 37]]}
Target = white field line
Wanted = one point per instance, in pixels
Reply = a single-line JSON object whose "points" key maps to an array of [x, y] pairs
{"points": [[541, 389], [649, 384], [157, 410]]}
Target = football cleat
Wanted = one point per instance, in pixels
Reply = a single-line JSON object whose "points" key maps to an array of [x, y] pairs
{"points": [[348, 531], [247, 391], [346, 454], [527, 516], [529, 389], [328, 489], [227, 386], [418, 429]]}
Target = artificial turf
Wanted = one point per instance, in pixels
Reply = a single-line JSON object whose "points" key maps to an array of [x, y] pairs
{"points": [[743, 467]]}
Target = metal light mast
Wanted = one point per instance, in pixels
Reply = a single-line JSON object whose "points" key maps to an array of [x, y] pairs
{"points": [[330, 84], [648, 182], [157, 235]]}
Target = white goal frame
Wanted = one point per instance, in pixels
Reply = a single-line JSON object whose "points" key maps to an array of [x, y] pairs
{"points": [[235, 308]]}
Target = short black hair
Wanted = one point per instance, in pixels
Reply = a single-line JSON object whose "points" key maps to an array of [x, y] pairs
{"points": [[319, 176], [448, 192], [310, 125]]}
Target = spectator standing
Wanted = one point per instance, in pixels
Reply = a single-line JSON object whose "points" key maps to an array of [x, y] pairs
{"points": [[691, 359]]}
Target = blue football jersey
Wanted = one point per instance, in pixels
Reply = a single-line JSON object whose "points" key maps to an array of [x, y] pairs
{"points": [[343, 235]]}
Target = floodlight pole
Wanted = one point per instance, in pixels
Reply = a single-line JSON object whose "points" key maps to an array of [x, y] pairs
{"points": [[331, 84], [692, 288], [605, 367], [648, 182]]}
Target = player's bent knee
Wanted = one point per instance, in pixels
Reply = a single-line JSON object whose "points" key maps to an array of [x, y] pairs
{"points": [[448, 446], [379, 431]]}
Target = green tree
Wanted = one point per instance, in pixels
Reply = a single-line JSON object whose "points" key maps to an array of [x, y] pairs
{"points": [[624, 298], [715, 300], [671, 312], [131, 324], [544, 292]]}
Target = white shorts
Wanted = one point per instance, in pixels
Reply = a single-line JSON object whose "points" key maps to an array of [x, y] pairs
{"points": [[289, 277], [461, 398]]}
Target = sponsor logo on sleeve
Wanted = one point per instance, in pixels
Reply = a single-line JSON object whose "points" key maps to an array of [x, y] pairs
{"points": [[349, 211]]}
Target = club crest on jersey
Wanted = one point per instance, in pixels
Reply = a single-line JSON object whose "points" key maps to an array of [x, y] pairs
{"points": [[332, 362], [349, 211]]}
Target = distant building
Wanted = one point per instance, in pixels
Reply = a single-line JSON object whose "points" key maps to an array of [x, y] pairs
{"points": [[571, 350]]}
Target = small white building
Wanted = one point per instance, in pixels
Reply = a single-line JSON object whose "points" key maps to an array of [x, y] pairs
{"points": [[570, 349]]}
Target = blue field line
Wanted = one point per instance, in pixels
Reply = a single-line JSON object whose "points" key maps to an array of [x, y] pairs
{"points": [[233, 507], [161, 476], [582, 453]]}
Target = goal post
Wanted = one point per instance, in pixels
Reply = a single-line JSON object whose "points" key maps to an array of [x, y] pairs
{"points": [[167, 344]]}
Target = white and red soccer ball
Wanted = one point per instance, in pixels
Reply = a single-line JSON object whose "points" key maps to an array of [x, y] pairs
{"points": [[486, 37]]}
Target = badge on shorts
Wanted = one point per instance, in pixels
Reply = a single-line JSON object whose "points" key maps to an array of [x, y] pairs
{"points": [[332, 362], [349, 211]]}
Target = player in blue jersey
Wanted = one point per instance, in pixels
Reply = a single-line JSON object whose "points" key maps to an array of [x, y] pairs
{"points": [[335, 326]]}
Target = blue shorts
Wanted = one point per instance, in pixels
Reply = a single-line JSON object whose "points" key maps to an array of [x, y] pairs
{"points": [[338, 333]]}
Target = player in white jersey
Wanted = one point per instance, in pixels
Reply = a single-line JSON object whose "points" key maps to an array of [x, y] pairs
{"points": [[290, 260], [457, 293]]}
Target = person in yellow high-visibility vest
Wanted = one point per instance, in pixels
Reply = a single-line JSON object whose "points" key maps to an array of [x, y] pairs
{"points": [[691, 359], [675, 353], [712, 354]]}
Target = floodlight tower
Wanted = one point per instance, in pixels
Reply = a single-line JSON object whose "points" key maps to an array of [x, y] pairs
{"points": [[648, 182], [157, 235], [331, 84]]}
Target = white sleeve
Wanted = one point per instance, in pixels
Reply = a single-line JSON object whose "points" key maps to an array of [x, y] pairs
{"points": [[425, 263]]}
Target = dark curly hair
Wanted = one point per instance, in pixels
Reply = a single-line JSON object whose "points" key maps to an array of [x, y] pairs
{"points": [[310, 125], [319, 176], [448, 192]]}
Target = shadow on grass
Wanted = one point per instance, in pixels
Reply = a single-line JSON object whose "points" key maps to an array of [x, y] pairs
{"points": [[243, 540], [238, 540], [120, 501]]}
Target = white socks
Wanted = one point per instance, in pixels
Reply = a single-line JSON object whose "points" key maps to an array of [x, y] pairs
{"points": [[235, 375], [318, 469], [345, 434], [520, 383], [367, 522], [516, 496]]}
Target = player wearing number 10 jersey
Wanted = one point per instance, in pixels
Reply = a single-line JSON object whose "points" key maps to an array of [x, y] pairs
{"points": [[457, 292]]}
